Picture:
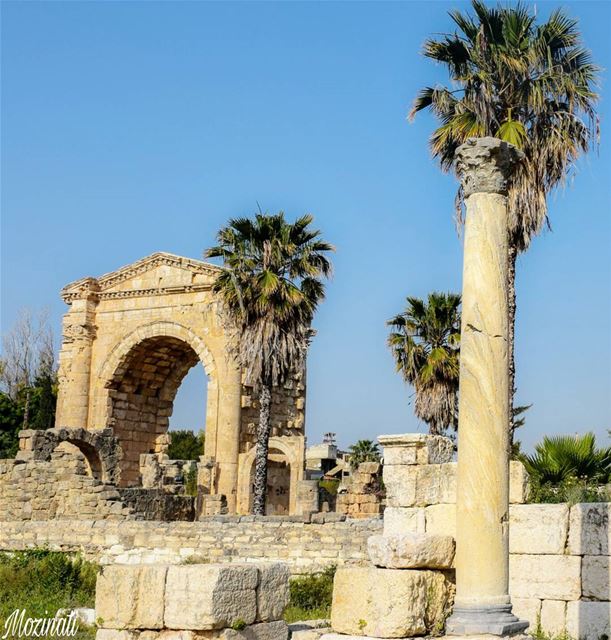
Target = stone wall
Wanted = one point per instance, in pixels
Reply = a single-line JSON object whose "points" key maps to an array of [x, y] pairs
{"points": [[363, 497], [64, 488], [59, 488], [305, 546], [559, 564]]}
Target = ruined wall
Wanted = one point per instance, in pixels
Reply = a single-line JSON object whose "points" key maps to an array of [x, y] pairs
{"points": [[306, 546], [60, 488], [63, 488], [288, 412], [364, 496]]}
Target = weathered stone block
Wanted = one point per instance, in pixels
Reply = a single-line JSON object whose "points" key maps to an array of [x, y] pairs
{"points": [[441, 519], [398, 520], [224, 593], [538, 528], [416, 448], [527, 609], [588, 620], [415, 485], [277, 630], [389, 603], [589, 531], [272, 591], [596, 576], [545, 577], [553, 617], [519, 483], [411, 551], [116, 634], [131, 597]]}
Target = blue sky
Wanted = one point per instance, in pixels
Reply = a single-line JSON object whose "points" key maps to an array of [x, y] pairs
{"points": [[134, 127]]}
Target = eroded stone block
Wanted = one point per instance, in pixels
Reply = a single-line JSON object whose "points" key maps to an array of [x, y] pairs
{"points": [[589, 531], [538, 528], [224, 593], [596, 576], [411, 551], [545, 577], [398, 520], [131, 596], [588, 620], [527, 609], [389, 603], [553, 617], [272, 591]]}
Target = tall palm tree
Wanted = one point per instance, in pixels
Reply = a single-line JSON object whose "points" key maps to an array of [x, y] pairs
{"points": [[425, 343], [271, 286], [528, 84]]}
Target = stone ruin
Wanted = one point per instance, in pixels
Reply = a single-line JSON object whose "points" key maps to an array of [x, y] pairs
{"points": [[129, 339], [193, 602], [363, 497]]}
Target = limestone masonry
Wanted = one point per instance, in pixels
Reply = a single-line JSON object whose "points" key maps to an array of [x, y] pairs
{"points": [[129, 338]]}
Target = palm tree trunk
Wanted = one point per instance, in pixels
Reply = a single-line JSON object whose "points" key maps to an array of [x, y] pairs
{"points": [[263, 433], [511, 294]]}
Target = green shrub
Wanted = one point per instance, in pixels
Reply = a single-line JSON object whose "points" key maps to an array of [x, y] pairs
{"points": [[186, 445], [191, 482], [571, 490], [43, 581], [311, 595], [330, 486]]}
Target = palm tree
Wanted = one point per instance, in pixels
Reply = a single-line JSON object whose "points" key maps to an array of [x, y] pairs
{"points": [[364, 451], [271, 285], [425, 343], [530, 85], [559, 458]]}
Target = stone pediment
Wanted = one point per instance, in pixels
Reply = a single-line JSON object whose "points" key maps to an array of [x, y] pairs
{"points": [[157, 274]]}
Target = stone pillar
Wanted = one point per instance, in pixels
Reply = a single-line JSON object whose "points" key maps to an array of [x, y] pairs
{"points": [[228, 435], [74, 373], [483, 605]]}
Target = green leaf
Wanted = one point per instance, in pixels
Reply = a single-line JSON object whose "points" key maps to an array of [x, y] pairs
{"points": [[512, 131]]}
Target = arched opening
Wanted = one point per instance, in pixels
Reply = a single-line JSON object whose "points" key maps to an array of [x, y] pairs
{"points": [[285, 470], [189, 410], [278, 484], [81, 456], [141, 396]]}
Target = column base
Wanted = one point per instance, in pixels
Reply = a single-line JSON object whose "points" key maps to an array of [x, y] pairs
{"points": [[494, 620]]}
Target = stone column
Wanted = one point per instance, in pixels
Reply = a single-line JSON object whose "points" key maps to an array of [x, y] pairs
{"points": [[483, 605], [228, 434], [74, 373]]}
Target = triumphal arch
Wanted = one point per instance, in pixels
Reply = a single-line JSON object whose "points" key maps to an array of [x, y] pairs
{"points": [[129, 339]]}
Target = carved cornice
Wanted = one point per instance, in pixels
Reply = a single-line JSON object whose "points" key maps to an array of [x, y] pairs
{"points": [[82, 288], [72, 332], [484, 165]]}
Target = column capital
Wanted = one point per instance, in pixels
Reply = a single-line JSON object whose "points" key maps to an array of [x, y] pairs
{"points": [[484, 165]]}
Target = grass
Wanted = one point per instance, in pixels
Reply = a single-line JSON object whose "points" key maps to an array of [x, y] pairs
{"points": [[42, 581], [310, 596], [296, 614]]}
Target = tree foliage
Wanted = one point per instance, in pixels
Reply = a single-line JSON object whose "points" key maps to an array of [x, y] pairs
{"points": [[186, 445], [425, 343], [271, 285], [28, 380], [533, 85], [364, 451]]}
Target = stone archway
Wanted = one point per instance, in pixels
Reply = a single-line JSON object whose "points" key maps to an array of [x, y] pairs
{"points": [[292, 450], [99, 448], [129, 338], [141, 382]]}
